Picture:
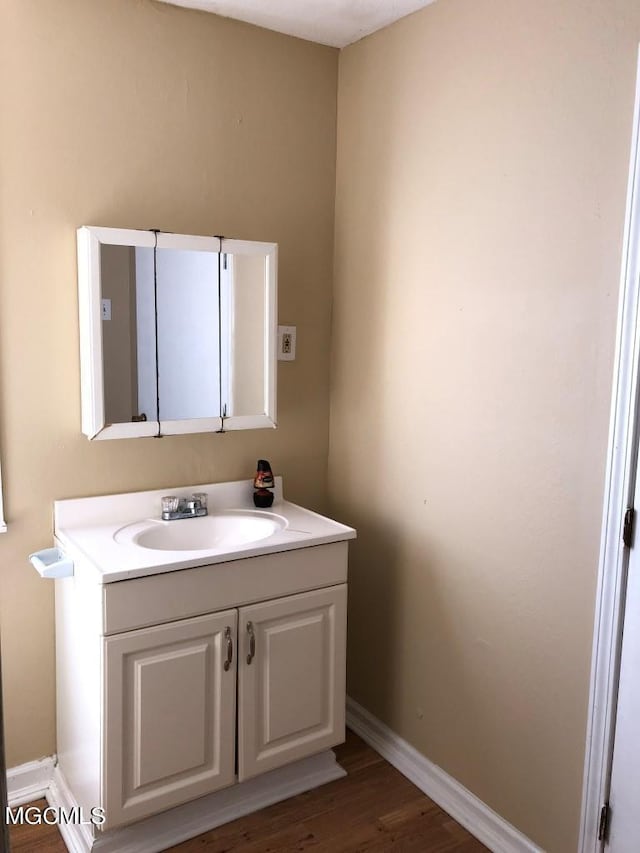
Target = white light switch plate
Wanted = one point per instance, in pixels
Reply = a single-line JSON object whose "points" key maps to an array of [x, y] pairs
{"points": [[286, 343], [106, 309]]}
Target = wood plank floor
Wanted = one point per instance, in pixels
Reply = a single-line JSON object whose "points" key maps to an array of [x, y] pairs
{"points": [[374, 808]]}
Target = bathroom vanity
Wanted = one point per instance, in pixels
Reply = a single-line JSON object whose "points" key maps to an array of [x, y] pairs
{"points": [[200, 662]]}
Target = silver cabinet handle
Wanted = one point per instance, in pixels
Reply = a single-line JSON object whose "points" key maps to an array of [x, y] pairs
{"points": [[252, 642], [229, 660]]}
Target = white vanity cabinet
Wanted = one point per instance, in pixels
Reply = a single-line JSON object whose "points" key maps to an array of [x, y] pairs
{"points": [[170, 699], [194, 685], [186, 686]]}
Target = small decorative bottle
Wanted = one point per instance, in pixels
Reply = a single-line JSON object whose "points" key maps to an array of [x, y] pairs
{"points": [[262, 482]]}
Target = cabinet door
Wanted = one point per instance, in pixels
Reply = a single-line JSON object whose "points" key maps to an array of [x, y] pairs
{"points": [[291, 679], [169, 729]]}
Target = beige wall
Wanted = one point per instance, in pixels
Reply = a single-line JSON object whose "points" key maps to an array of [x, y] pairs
{"points": [[139, 115], [482, 163]]}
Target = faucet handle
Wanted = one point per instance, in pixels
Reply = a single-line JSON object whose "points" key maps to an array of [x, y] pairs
{"points": [[170, 503], [200, 499]]}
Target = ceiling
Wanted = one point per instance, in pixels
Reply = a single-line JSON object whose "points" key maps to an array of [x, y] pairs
{"points": [[333, 22]]}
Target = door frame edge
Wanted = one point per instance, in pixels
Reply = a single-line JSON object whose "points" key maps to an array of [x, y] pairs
{"points": [[618, 492]]}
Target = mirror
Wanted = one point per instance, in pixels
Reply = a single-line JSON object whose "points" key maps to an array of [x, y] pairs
{"points": [[177, 333], [188, 334]]}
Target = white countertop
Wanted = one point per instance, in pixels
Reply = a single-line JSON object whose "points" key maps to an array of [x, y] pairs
{"points": [[87, 527]]}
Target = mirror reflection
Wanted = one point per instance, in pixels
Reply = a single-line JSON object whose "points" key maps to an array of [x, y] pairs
{"points": [[128, 333], [188, 334], [243, 278]]}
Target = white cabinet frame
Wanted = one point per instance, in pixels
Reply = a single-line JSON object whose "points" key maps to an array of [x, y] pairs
{"points": [[94, 426]]}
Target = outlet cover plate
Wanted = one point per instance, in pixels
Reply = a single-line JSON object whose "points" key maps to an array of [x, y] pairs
{"points": [[286, 343]]}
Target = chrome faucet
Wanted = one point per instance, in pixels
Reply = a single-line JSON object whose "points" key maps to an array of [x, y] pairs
{"points": [[174, 508]]}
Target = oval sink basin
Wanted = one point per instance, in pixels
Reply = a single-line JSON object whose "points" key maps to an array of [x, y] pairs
{"points": [[224, 530]]}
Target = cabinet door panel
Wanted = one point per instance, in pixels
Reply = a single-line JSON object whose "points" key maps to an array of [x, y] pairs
{"points": [[170, 716], [176, 682], [292, 693]]}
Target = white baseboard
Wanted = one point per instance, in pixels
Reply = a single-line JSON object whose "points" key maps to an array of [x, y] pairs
{"points": [[77, 837], [30, 781], [177, 825], [481, 821]]}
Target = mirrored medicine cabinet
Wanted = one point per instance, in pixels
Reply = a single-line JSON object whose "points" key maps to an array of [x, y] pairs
{"points": [[177, 333]]}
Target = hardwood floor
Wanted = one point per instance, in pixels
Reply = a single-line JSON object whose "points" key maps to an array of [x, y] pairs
{"points": [[374, 808]]}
